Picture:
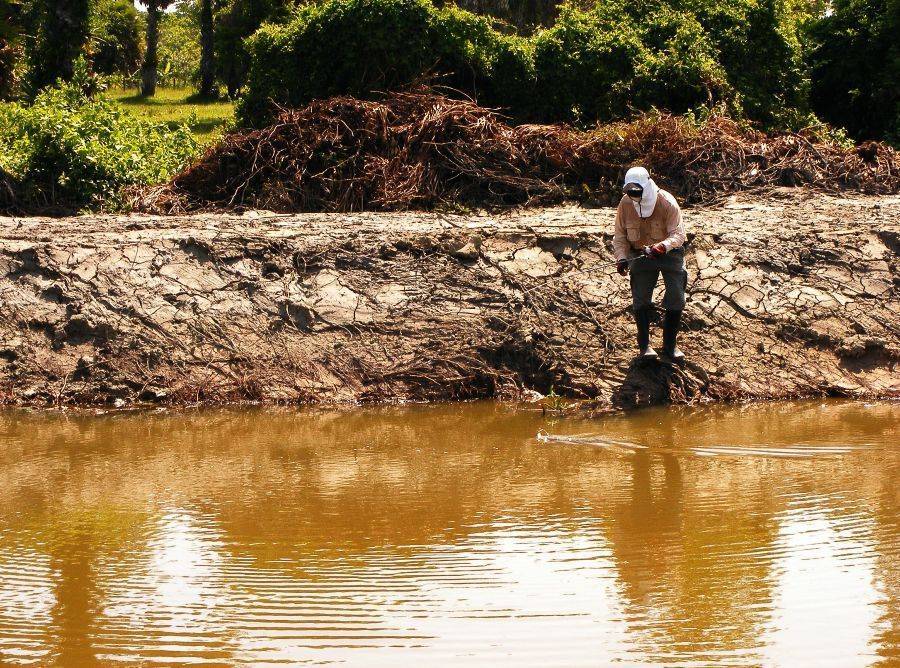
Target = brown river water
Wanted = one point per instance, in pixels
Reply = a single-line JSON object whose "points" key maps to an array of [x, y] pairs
{"points": [[764, 535]]}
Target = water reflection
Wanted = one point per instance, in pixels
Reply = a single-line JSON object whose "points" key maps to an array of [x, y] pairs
{"points": [[450, 534]]}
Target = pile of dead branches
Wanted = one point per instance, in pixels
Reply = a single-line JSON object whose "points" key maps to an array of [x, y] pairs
{"points": [[419, 150], [706, 162]]}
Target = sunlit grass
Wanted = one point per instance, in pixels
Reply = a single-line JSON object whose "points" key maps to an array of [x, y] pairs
{"points": [[206, 118]]}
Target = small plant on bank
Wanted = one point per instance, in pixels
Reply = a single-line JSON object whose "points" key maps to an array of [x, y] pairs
{"points": [[554, 403], [69, 151]]}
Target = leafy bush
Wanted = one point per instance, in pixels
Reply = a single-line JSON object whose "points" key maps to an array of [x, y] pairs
{"points": [[234, 21], [756, 46], [70, 151], [602, 64], [9, 54], [855, 67], [10, 47], [179, 46], [57, 32], [597, 64], [115, 37], [359, 46]]}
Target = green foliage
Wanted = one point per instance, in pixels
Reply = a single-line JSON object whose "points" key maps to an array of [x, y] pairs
{"points": [[521, 17], [72, 151], [360, 46], [602, 64], [755, 46], [597, 64], [10, 32], [57, 33], [10, 20], [855, 67], [9, 54], [115, 37], [179, 46], [234, 22]]}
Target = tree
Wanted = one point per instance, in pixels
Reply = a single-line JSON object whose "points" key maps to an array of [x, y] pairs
{"points": [[60, 29], [179, 45], [115, 37], [855, 68], [207, 53], [235, 21], [151, 56], [10, 31]]}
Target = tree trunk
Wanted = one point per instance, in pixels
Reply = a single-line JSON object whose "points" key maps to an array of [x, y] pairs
{"points": [[207, 55], [74, 21], [148, 69], [59, 31]]}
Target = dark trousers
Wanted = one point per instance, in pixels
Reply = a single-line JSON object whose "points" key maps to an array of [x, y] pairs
{"points": [[645, 271]]}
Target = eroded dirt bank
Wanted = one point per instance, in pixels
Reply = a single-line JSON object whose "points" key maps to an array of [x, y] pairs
{"points": [[792, 295]]}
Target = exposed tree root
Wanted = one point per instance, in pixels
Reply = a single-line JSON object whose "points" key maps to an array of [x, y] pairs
{"points": [[788, 297]]}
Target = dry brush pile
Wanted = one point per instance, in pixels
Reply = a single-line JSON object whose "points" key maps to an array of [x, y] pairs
{"points": [[420, 150]]}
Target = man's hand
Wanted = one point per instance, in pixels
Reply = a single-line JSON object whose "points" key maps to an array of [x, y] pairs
{"points": [[657, 250], [622, 267]]}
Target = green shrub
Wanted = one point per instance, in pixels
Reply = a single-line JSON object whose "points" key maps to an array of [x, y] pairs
{"points": [[855, 68], [9, 54], [760, 57], [357, 47], [605, 63], [179, 46], [57, 31], [10, 46], [235, 20], [583, 64], [70, 151], [115, 37]]}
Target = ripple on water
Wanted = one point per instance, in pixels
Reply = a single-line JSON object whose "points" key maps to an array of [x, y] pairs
{"points": [[448, 536]]}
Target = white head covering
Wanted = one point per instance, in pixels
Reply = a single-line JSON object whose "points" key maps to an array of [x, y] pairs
{"points": [[645, 205]]}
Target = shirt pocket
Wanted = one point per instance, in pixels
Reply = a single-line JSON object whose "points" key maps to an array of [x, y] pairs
{"points": [[658, 230], [633, 230]]}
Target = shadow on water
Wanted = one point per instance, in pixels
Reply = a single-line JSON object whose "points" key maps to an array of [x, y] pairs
{"points": [[655, 382]]}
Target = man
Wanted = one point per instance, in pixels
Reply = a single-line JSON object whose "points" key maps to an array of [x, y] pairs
{"points": [[649, 239]]}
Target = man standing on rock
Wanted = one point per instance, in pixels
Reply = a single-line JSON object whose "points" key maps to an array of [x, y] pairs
{"points": [[649, 239]]}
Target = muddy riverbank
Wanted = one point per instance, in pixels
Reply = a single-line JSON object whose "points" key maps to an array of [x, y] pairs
{"points": [[790, 295]]}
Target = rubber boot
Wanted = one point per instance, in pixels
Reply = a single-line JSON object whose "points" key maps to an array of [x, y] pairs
{"points": [[671, 325], [642, 319]]}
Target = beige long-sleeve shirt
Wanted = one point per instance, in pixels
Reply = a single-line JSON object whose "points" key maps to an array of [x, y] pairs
{"points": [[664, 226]]}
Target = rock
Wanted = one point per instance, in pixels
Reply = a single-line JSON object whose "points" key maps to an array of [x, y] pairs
{"points": [[854, 347], [468, 252], [83, 367], [560, 246], [153, 394], [533, 262], [297, 313], [9, 350]]}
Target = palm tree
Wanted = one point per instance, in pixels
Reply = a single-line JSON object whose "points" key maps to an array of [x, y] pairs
{"points": [[207, 55], [59, 31], [151, 59]]}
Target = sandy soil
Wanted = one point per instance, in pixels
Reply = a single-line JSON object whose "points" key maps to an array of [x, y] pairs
{"points": [[794, 294]]}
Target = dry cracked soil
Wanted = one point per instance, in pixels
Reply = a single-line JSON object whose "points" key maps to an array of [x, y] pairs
{"points": [[792, 294]]}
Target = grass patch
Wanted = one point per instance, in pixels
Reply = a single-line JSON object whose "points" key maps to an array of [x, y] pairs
{"points": [[206, 118]]}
